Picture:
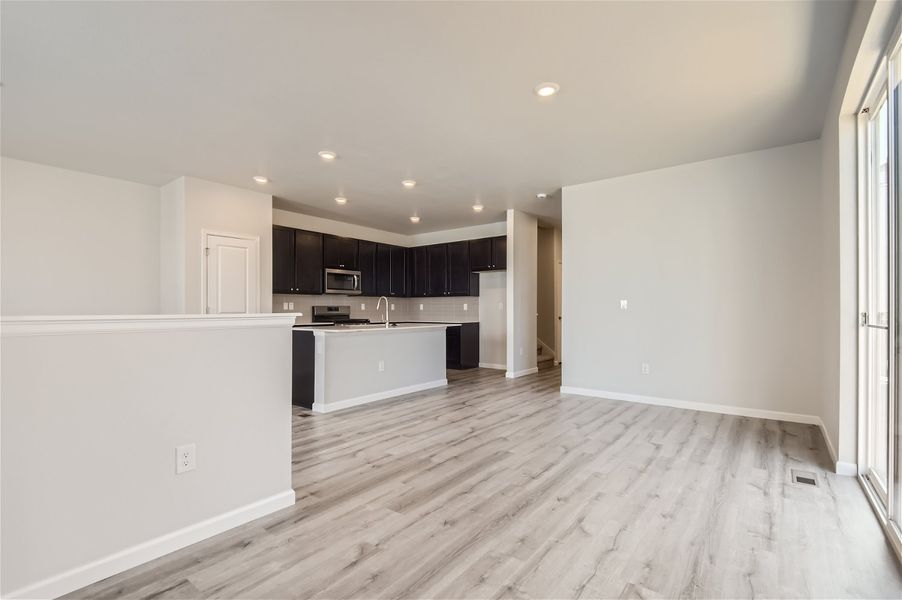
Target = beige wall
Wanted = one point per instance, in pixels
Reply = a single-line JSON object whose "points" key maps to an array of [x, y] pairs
{"points": [[545, 286], [76, 243], [720, 263]]}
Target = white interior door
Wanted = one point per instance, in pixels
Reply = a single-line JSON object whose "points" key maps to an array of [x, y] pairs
{"points": [[232, 274]]}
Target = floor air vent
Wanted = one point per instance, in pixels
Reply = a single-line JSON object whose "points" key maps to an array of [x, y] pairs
{"points": [[804, 477]]}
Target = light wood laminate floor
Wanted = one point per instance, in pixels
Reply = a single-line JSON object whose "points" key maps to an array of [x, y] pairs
{"points": [[495, 488]]}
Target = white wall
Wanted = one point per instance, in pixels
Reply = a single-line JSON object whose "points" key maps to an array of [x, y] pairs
{"points": [[88, 456], [302, 221], [545, 286], [720, 263], [192, 206], [288, 218], [493, 319], [172, 248], [225, 209], [521, 293], [456, 235], [558, 284], [75, 243]]}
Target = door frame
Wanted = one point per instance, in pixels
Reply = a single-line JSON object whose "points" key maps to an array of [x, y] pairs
{"points": [[204, 235]]}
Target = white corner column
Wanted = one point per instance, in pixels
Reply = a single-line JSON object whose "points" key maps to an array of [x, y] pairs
{"points": [[521, 293]]}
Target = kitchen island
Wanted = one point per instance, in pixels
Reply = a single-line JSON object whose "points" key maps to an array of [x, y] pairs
{"points": [[341, 367]]}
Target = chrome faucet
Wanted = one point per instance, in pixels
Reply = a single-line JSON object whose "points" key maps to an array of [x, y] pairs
{"points": [[381, 298]]}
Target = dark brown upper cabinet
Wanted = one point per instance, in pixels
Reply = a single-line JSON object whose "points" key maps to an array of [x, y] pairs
{"points": [[297, 261], [437, 259], [339, 252], [368, 267], [459, 274], [488, 254], [398, 279], [383, 270], [419, 272]]}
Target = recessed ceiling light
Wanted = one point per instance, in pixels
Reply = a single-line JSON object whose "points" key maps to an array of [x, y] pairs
{"points": [[548, 88], [261, 179], [541, 195], [478, 207], [341, 200], [414, 219], [327, 155], [408, 183]]}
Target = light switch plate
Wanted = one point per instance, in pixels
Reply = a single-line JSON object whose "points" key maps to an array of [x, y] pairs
{"points": [[421, 307], [624, 304], [362, 306], [284, 306], [291, 306], [393, 307], [465, 306]]}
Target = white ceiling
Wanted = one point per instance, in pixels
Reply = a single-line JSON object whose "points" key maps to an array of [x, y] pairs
{"points": [[439, 92]]}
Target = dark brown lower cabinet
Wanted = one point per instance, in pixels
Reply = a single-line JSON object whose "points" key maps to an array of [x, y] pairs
{"points": [[462, 346], [303, 371]]}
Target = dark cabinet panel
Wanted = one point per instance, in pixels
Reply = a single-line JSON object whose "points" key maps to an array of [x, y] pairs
{"points": [[308, 262], [437, 258], [462, 346], [488, 254], [297, 260], [383, 270], [481, 254], [367, 264], [458, 260], [419, 272], [303, 373], [339, 253], [499, 253], [282, 260], [398, 279]]}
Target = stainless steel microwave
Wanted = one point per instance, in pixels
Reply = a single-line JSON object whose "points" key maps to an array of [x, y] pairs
{"points": [[341, 281]]}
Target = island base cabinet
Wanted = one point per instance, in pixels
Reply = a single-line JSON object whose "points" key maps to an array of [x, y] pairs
{"points": [[303, 368], [462, 346]]}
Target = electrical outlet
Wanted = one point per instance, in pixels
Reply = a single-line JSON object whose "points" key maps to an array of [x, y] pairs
{"points": [[393, 307], [624, 304], [284, 306], [291, 306], [362, 306], [421, 307], [381, 366], [645, 369], [185, 458], [465, 306]]}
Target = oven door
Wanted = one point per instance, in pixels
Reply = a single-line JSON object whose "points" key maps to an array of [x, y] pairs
{"points": [[340, 281]]}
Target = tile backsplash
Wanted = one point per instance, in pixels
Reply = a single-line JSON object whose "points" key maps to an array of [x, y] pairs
{"points": [[405, 309]]}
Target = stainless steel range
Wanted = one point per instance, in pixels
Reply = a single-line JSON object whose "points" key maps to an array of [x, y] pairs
{"points": [[336, 315]]}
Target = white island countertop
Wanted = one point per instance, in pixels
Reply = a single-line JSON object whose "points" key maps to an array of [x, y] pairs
{"points": [[372, 328]]}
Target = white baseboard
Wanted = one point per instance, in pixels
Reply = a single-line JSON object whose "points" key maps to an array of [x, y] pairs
{"points": [[77, 578], [483, 365], [839, 467], [515, 374], [724, 409], [358, 400]]}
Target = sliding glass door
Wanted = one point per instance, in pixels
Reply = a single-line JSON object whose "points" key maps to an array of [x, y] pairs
{"points": [[875, 293], [879, 277]]}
